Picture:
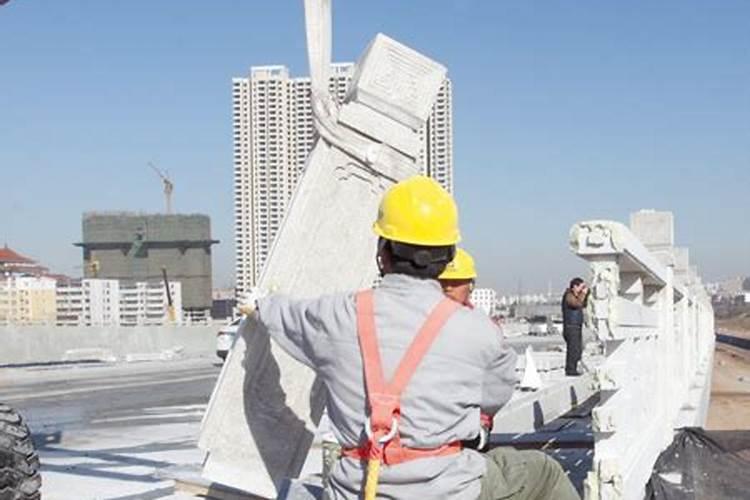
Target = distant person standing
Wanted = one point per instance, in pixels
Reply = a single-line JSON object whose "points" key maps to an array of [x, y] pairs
{"points": [[574, 301]]}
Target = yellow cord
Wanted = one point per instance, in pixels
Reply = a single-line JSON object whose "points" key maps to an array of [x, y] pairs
{"points": [[371, 483]]}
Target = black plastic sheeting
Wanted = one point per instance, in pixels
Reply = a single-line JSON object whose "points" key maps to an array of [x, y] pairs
{"points": [[732, 340], [702, 464]]}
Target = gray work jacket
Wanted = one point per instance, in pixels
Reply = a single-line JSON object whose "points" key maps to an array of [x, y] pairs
{"points": [[467, 368]]}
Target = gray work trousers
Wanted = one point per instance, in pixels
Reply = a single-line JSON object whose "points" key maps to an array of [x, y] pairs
{"points": [[573, 348], [524, 475]]}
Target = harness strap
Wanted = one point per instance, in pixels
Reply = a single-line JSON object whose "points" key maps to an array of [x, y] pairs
{"points": [[393, 455], [421, 344], [368, 343], [384, 443]]}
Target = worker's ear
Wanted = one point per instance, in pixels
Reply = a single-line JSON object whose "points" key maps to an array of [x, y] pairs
{"points": [[383, 257]]}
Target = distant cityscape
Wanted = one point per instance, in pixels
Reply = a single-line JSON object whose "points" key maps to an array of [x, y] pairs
{"points": [[31, 294], [137, 270], [152, 269]]}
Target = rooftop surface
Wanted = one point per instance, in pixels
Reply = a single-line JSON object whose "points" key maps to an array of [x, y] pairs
{"points": [[119, 430]]}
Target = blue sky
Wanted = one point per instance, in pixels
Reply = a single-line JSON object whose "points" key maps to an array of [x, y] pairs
{"points": [[562, 111]]}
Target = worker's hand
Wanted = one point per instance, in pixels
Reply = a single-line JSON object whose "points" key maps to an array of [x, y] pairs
{"points": [[482, 441], [248, 303], [485, 428], [479, 443], [484, 438]]}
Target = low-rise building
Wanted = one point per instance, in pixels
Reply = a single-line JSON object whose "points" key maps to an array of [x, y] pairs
{"points": [[224, 303], [484, 299], [69, 303], [13, 263], [146, 303], [27, 300], [88, 302]]}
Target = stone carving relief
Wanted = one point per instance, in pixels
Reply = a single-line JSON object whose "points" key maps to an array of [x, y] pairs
{"points": [[356, 171], [596, 237], [605, 286]]}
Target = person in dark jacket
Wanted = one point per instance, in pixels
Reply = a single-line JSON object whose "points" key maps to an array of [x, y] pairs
{"points": [[574, 301]]}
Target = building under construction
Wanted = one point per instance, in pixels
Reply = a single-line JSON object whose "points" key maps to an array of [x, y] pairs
{"points": [[133, 247]]}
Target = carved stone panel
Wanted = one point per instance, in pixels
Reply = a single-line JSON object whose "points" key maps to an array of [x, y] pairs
{"points": [[260, 422]]}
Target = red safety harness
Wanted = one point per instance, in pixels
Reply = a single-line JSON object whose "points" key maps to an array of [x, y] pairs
{"points": [[383, 439]]}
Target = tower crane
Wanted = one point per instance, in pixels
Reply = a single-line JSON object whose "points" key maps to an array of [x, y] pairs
{"points": [[168, 186]]}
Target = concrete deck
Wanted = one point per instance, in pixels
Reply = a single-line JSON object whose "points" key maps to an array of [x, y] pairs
{"points": [[122, 431], [104, 430]]}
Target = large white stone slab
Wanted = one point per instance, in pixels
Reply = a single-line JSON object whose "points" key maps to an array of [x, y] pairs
{"points": [[261, 419], [654, 228]]}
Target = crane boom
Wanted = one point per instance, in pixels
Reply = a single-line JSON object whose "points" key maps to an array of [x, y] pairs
{"points": [[168, 186]]}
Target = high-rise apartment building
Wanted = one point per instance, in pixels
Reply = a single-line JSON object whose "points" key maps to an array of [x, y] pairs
{"points": [[273, 133]]}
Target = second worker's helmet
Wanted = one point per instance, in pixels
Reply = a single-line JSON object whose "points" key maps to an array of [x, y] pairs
{"points": [[460, 268]]}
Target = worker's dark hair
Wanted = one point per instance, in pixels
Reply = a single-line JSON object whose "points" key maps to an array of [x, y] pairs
{"points": [[575, 282], [417, 260]]}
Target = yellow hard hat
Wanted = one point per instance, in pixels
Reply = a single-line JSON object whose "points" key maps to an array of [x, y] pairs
{"points": [[460, 268], [418, 211]]}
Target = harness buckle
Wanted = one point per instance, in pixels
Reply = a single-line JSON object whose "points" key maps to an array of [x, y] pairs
{"points": [[387, 437]]}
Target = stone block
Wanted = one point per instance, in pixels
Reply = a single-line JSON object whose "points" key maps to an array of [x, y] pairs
{"points": [[397, 81], [681, 260], [381, 128], [655, 229]]}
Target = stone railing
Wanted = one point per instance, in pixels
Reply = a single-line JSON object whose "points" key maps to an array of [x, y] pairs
{"points": [[654, 317]]}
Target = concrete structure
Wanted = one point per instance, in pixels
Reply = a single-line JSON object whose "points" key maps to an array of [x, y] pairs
{"points": [[27, 300], [145, 303], [364, 146], [653, 315], [134, 248], [484, 299], [88, 302], [274, 134], [23, 344]]}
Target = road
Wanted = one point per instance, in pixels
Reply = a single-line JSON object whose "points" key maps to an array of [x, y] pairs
{"points": [[730, 389], [103, 430]]}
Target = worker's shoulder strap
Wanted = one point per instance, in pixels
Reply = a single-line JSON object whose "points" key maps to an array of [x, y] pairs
{"points": [[368, 343]]}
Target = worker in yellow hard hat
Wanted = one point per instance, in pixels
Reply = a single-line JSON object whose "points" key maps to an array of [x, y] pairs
{"points": [[418, 227], [459, 277], [407, 370]]}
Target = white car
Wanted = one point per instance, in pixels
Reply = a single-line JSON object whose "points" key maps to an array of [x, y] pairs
{"points": [[225, 338], [539, 325], [557, 326]]}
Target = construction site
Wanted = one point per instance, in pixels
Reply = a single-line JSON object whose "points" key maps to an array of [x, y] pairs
{"points": [[131, 248], [134, 409]]}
